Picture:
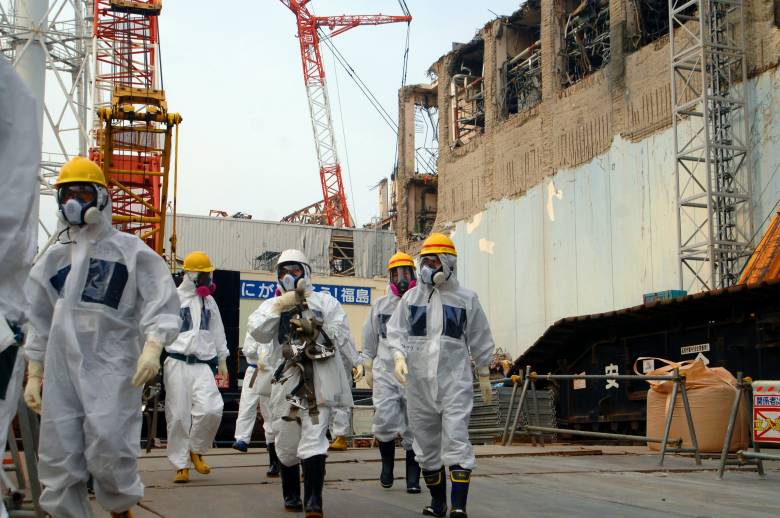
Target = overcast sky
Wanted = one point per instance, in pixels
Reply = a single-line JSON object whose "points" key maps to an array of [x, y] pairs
{"points": [[233, 71]]}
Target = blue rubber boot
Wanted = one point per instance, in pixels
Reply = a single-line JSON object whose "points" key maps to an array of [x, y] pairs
{"points": [[437, 485], [460, 479]]}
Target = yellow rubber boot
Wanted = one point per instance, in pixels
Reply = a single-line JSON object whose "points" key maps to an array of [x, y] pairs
{"points": [[200, 466], [339, 444], [123, 514], [182, 476]]}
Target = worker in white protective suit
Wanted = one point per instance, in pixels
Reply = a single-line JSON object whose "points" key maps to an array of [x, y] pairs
{"points": [[341, 417], [300, 405], [193, 404], [20, 155], [96, 297], [390, 419], [256, 393], [340, 427], [437, 330]]}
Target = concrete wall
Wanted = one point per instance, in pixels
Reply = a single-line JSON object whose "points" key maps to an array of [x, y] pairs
{"points": [[629, 98], [596, 237], [568, 207]]}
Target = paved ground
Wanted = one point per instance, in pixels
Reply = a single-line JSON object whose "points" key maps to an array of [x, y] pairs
{"points": [[559, 480]]}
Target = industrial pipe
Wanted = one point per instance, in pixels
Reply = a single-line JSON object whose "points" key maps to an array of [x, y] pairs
{"points": [[525, 52]]}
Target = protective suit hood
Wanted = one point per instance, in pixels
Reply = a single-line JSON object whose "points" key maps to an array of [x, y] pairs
{"points": [[187, 287]]}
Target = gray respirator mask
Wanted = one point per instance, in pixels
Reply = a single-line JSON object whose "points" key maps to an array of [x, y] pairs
{"points": [[81, 203], [431, 276]]}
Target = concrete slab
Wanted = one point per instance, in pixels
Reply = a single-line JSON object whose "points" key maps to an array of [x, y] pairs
{"points": [[558, 480]]}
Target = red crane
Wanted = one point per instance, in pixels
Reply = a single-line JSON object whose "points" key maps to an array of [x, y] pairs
{"points": [[332, 210]]}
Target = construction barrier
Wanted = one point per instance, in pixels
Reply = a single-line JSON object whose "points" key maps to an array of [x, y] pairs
{"points": [[764, 420], [535, 431]]}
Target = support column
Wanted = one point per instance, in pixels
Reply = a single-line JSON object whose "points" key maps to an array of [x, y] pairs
{"points": [[30, 58]]}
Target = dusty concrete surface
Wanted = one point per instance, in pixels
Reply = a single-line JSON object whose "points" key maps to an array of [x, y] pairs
{"points": [[558, 480]]}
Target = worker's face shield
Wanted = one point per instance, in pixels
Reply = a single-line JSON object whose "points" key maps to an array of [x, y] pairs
{"points": [[432, 270], [431, 261], [75, 200], [200, 278], [402, 274], [84, 193], [402, 279]]}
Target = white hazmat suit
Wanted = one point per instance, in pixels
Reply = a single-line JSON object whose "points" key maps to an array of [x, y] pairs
{"points": [[95, 296], [300, 436], [440, 329], [296, 442], [341, 417], [258, 395], [193, 404], [390, 419], [20, 154]]}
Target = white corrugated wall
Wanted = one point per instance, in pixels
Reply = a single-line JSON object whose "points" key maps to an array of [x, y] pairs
{"points": [[233, 244], [597, 237]]}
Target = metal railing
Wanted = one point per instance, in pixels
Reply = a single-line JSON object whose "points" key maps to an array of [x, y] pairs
{"points": [[29, 507], [535, 431]]}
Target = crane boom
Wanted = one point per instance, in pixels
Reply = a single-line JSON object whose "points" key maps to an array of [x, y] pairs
{"points": [[334, 200]]}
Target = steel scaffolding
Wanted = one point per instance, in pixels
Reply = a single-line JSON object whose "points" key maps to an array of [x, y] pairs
{"points": [[48, 41], [710, 122]]}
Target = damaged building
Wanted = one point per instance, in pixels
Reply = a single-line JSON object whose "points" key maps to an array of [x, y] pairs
{"points": [[557, 155]]}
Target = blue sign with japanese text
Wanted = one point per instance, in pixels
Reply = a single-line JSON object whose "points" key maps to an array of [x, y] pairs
{"points": [[358, 295]]}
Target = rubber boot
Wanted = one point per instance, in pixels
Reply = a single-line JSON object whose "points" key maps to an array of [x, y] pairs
{"points": [[241, 446], [182, 476], [412, 474], [338, 444], [123, 514], [313, 480], [291, 488], [273, 462], [387, 451], [200, 465], [460, 479], [437, 485]]}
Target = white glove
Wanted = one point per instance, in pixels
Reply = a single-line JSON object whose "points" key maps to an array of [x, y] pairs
{"points": [[358, 372], [222, 371], [32, 391], [484, 385], [368, 368], [400, 368], [148, 363], [286, 301]]}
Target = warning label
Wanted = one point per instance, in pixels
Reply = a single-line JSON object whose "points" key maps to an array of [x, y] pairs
{"points": [[766, 411], [693, 349]]}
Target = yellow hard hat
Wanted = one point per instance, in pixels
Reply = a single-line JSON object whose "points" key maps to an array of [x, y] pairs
{"points": [[79, 169], [438, 244], [198, 262], [400, 259]]}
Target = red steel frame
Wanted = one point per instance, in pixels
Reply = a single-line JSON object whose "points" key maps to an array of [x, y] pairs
{"points": [[334, 204], [126, 56]]}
